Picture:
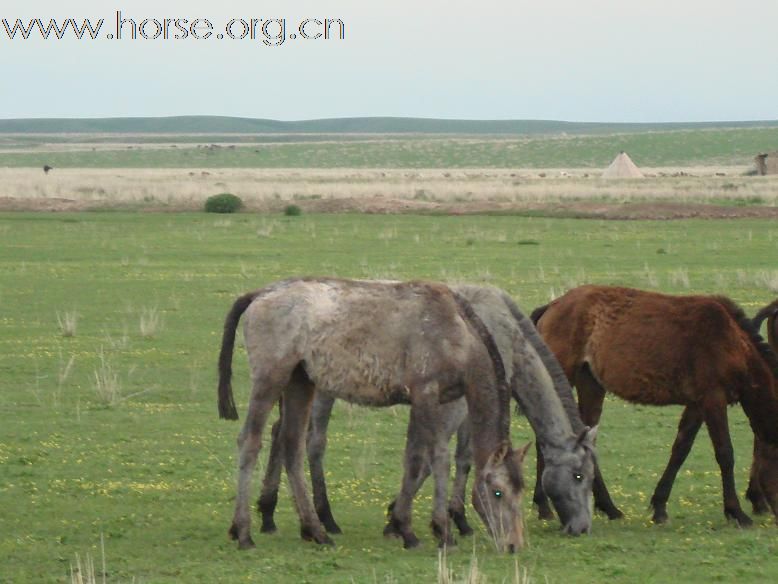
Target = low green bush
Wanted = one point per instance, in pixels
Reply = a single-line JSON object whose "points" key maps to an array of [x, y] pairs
{"points": [[223, 203]]}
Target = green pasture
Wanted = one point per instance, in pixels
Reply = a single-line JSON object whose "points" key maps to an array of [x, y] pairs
{"points": [[736, 146], [152, 473]]}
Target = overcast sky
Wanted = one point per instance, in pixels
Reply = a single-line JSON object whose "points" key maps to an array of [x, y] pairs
{"points": [[578, 60]]}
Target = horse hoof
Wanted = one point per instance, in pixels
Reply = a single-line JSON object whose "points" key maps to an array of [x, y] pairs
{"points": [[659, 518], [391, 530], [545, 513], [410, 541], [268, 528], [615, 514], [740, 518], [459, 519], [246, 544]]}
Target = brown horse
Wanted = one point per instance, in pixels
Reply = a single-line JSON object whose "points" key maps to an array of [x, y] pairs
{"points": [[375, 343], [700, 352], [762, 496]]}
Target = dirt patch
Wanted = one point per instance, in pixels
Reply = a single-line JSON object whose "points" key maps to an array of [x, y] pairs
{"points": [[388, 205]]}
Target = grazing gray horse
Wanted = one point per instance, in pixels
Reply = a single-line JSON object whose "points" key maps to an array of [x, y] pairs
{"points": [[537, 383], [375, 343]]}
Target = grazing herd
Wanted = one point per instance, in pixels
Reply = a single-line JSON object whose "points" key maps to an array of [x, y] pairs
{"points": [[456, 355]]}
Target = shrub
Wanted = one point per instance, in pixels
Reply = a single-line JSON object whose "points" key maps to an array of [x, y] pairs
{"points": [[223, 203], [292, 211]]}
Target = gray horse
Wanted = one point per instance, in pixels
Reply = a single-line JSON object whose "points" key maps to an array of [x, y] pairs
{"points": [[539, 386], [375, 343]]}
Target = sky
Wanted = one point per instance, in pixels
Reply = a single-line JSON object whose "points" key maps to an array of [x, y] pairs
{"points": [[575, 60]]}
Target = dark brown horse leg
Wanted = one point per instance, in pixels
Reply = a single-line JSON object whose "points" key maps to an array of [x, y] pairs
{"points": [[754, 493], [591, 396], [316, 446], [463, 458], [268, 499], [691, 420], [718, 429], [296, 407]]}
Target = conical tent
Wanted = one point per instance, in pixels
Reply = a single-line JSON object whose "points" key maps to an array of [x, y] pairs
{"points": [[622, 167]]}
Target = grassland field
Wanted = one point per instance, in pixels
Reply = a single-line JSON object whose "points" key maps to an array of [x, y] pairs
{"points": [[658, 148], [112, 432]]}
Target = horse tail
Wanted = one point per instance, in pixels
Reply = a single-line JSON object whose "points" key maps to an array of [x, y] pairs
{"points": [[769, 312], [538, 313], [227, 409]]}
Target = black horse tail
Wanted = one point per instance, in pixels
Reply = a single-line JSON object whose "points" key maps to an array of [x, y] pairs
{"points": [[538, 313], [227, 409], [769, 312]]}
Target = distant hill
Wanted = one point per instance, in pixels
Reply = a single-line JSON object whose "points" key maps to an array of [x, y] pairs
{"points": [[373, 125]]}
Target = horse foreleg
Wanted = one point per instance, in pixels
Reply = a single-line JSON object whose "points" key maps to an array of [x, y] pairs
{"points": [[249, 444], [591, 395], [316, 446], [296, 408], [463, 457], [268, 499], [691, 420], [716, 420], [417, 462], [539, 497]]}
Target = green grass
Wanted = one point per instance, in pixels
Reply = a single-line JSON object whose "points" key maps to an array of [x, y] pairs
{"points": [[154, 473], [654, 148]]}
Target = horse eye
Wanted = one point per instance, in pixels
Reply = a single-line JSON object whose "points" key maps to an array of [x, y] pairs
{"points": [[498, 494], [578, 476]]}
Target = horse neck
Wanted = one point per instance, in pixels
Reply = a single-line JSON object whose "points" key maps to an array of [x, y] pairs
{"points": [[547, 396], [487, 434]]}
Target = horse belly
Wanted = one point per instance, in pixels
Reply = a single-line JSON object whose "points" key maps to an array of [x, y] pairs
{"points": [[361, 378]]}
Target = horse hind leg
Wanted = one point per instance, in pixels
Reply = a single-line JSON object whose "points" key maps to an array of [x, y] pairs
{"points": [[264, 395], [688, 426], [754, 493], [266, 504], [715, 416], [296, 406], [316, 446]]}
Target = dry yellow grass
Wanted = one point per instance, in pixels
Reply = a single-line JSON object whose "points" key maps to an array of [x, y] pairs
{"points": [[260, 188]]}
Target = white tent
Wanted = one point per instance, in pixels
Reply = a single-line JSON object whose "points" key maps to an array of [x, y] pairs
{"points": [[622, 167]]}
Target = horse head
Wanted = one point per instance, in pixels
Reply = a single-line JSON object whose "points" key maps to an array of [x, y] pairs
{"points": [[497, 495], [567, 480]]}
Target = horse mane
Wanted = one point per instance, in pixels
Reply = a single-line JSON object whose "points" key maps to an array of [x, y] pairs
{"points": [[503, 392], [562, 385], [747, 326]]}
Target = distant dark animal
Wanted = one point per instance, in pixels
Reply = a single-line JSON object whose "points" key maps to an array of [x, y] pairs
{"points": [[537, 383], [47, 168], [375, 343], [697, 351]]}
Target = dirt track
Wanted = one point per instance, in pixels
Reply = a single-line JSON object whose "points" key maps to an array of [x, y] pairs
{"points": [[384, 205]]}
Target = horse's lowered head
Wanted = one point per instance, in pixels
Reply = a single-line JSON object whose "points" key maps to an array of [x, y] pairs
{"points": [[567, 480], [497, 494]]}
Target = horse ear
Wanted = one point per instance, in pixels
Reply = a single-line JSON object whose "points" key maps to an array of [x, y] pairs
{"points": [[499, 454], [587, 438], [520, 453]]}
